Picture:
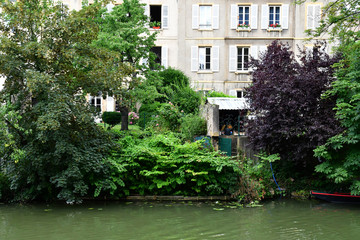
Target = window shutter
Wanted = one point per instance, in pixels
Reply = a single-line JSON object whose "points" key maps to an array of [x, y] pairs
{"points": [[234, 13], [164, 56], [254, 52], [194, 59], [285, 16], [147, 10], [147, 13], [215, 58], [233, 93], [110, 104], [254, 13], [215, 16], [232, 58], [310, 17], [195, 16], [165, 17], [109, 7], [262, 50], [264, 16], [317, 15]]}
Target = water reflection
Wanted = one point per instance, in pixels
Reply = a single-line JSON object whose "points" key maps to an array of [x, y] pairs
{"points": [[285, 219]]}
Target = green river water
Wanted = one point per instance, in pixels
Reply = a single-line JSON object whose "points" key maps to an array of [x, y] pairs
{"points": [[280, 219]]}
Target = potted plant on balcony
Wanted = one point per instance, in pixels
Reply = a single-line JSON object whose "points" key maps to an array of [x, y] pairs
{"points": [[243, 27], [275, 26], [155, 25]]}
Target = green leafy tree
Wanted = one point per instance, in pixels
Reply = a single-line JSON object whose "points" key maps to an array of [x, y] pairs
{"points": [[52, 147], [340, 155], [125, 31]]}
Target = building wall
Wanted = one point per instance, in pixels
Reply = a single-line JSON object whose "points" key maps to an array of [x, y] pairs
{"points": [[180, 37]]}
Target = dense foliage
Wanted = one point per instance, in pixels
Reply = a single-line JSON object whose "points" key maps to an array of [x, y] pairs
{"points": [[51, 146], [111, 118], [291, 118], [159, 164]]}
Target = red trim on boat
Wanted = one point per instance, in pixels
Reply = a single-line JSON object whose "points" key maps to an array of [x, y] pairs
{"points": [[333, 194]]}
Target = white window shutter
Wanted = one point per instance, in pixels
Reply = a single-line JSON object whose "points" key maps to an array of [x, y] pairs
{"points": [[215, 58], [317, 15], [110, 7], [147, 10], [234, 13], [164, 56], [165, 17], [285, 16], [264, 16], [262, 50], [195, 16], [254, 52], [110, 104], [194, 59], [232, 58], [310, 17], [233, 93], [215, 16], [254, 13]]}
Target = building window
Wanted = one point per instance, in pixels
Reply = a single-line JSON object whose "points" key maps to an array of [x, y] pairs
{"points": [[159, 16], [155, 14], [274, 15], [157, 52], [244, 15], [205, 17], [242, 58], [241, 94], [95, 101], [204, 58]]}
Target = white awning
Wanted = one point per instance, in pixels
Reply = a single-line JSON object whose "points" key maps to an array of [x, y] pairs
{"points": [[229, 103]]}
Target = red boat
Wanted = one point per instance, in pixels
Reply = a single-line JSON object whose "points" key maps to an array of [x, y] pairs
{"points": [[336, 197]]}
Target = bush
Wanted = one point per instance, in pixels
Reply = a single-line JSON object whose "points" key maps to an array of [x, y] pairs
{"points": [[187, 100], [133, 118], [159, 164], [169, 117], [192, 125], [147, 112], [111, 118], [218, 94]]}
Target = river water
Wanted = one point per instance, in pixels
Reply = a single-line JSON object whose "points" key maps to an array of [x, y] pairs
{"points": [[280, 219]]}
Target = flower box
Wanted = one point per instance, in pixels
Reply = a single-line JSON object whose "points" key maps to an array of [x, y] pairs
{"points": [[243, 27], [274, 27]]}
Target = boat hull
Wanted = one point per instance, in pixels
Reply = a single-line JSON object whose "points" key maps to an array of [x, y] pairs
{"points": [[336, 197]]}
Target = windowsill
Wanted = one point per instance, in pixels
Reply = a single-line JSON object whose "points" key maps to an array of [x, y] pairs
{"points": [[243, 29], [271, 29], [242, 72], [204, 72], [205, 29], [156, 29]]}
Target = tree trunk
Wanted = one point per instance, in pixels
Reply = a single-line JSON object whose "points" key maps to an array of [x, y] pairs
{"points": [[124, 118]]}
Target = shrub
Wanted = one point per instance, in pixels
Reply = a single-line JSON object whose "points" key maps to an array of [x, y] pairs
{"points": [[192, 125], [133, 118], [187, 100], [218, 94], [147, 113], [159, 164], [111, 118], [169, 117]]}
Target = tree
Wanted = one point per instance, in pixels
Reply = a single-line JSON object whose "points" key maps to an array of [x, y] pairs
{"points": [[125, 31], [56, 148], [340, 155], [291, 118]]}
